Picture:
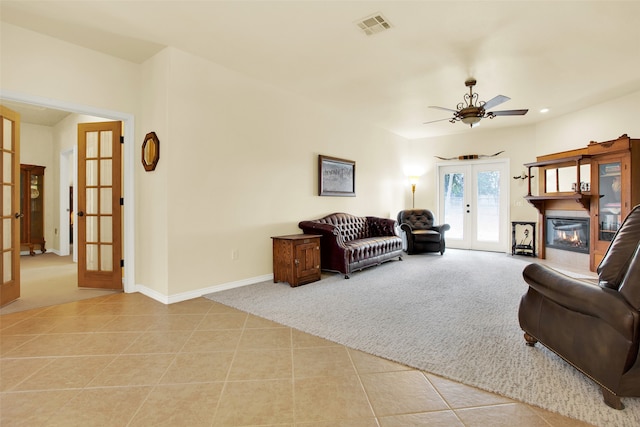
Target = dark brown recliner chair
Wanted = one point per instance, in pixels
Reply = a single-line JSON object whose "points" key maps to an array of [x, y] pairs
{"points": [[594, 328], [421, 232]]}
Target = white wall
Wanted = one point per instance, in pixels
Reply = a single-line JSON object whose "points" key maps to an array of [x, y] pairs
{"points": [[39, 65], [602, 122], [242, 167]]}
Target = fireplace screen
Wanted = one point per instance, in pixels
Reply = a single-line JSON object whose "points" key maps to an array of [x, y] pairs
{"points": [[569, 234]]}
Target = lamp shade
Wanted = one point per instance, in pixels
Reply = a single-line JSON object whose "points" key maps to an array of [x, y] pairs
{"points": [[471, 120]]}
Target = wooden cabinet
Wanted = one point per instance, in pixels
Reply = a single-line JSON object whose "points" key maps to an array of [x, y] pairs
{"points": [[296, 259], [32, 207], [615, 182]]}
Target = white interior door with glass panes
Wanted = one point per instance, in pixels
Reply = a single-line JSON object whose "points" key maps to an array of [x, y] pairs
{"points": [[473, 199]]}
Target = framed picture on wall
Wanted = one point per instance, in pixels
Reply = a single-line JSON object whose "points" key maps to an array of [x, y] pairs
{"points": [[336, 177]]}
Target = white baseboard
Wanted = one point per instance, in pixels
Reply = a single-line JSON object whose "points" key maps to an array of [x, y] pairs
{"points": [[184, 296]]}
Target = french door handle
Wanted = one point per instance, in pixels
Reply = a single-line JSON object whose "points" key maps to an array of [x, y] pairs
{"points": [[80, 213], [19, 215]]}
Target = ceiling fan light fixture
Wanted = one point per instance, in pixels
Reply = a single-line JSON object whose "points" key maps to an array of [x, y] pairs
{"points": [[471, 120]]}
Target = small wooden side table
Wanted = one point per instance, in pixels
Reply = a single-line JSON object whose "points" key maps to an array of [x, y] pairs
{"points": [[296, 259]]}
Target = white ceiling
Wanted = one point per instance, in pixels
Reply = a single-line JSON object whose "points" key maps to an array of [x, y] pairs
{"points": [[562, 55]]}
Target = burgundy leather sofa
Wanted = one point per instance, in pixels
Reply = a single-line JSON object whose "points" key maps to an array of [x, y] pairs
{"points": [[594, 327], [350, 243]]}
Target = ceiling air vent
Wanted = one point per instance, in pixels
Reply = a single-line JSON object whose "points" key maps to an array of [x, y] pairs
{"points": [[374, 24]]}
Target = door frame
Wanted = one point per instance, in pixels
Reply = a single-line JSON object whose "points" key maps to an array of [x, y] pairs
{"points": [[505, 198], [128, 189], [68, 165]]}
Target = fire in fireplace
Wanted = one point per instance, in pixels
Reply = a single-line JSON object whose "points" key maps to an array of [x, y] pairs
{"points": [[569, 234]]}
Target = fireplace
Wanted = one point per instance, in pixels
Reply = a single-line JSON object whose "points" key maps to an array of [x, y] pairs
{"points": [[566, 233]]}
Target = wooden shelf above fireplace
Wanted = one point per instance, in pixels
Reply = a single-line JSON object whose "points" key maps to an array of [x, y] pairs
{"points": [[541, 202]]}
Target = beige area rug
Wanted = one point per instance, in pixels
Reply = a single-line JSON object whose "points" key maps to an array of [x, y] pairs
{"points": [[48, 279]]}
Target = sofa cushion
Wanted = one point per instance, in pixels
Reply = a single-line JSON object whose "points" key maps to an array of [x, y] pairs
{"points": [[426, 236], [371, 247]]}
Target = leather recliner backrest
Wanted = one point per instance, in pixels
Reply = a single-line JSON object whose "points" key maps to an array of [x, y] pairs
{"points": [[417, 218], [630, 286], [613, 267]]}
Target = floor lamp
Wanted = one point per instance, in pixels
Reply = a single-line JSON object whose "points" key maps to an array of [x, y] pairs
{"points": [[413, 180]]}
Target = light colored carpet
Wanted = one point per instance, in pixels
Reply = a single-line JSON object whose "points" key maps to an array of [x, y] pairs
{"points": [[453, 315], [48, 279]]}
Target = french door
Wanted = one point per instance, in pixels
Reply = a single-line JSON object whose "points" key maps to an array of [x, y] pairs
{"points": [[10, 205], [474, 200], [99, 212]]}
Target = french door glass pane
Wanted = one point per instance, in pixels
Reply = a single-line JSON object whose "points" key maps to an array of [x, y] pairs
{"points": [[106, 258], [105, 143], [454, 204], [105, 172], [6, 166], [106, 207], [6, 200], [106, 227], [488, 206], [92, 257], [92, 201], [92, 229], [7, 268], [92, 173], [7, 129], [92, 145], [6, 233]]}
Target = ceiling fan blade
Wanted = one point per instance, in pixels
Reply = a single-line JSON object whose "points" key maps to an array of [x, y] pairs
{"points": [[442, 108], [509, 113], [496, 100], [433, 121]]}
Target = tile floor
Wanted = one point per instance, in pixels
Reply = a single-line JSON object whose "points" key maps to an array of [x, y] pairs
{"points": [[127, 360]]}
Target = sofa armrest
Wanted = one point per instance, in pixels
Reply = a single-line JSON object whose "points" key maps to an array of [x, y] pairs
{"points": [[582, 297], [382, 226], [441, 228], [406, 227], [329, 231]]}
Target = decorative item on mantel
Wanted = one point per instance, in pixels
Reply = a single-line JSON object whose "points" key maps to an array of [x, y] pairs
{"points": [[470, 156]]}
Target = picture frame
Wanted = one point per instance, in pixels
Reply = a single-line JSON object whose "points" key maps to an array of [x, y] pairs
{"points": [[336, 177]]}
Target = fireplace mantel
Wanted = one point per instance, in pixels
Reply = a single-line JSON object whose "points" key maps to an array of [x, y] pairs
{"points": [[599, 180], [542, 202]]}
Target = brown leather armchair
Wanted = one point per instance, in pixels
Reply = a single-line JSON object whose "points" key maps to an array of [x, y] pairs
{"points": [[421, 232], [594, 327]]}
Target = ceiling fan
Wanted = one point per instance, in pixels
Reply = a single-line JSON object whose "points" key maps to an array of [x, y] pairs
{"points": [[471, 111]]}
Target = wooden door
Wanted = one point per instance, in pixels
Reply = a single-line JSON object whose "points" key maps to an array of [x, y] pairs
{"points": [[10, 205], [99, 212]]}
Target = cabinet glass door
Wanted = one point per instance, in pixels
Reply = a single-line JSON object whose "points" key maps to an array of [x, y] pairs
{"points": [[609, 206]]}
